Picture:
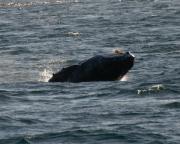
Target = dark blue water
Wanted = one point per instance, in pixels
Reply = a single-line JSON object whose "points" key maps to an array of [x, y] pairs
{"points": [[39, 37]]}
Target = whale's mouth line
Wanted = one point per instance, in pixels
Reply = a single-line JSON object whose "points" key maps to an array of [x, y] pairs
{"points": [[132, 54]]}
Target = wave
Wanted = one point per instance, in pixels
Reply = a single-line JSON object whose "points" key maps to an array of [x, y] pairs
{"points": [[90, 136], [15, 140], [34, 3], [172, 105], [4, 95]]}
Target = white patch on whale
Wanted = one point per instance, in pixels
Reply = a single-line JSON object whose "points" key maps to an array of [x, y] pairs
{"points": [[124, 78]]}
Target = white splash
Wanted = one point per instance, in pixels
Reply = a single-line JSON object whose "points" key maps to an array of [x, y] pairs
{"points": [[15, 4], [154, 88], [73, 34], [45, 75]]}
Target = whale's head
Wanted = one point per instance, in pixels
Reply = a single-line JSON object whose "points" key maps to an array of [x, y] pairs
{"points": [[124, 60], [117, 65]]}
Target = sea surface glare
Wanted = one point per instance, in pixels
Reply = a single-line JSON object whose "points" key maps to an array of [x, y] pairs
{"points": [[39, 37]]}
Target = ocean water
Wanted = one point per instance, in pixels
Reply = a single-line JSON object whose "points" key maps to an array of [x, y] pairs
{"points": [[39, 37]]}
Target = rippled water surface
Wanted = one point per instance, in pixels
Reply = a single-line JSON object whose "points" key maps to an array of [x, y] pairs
{"points": [[39, 37]]}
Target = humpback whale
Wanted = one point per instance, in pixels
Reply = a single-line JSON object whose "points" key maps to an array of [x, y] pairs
{"points": [[108, 67]]}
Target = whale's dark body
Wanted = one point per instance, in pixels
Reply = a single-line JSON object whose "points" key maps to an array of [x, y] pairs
{"points": [[99, 68]]}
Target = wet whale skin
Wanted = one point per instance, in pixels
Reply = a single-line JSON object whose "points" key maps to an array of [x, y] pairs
{"points": [[98, 68]]}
